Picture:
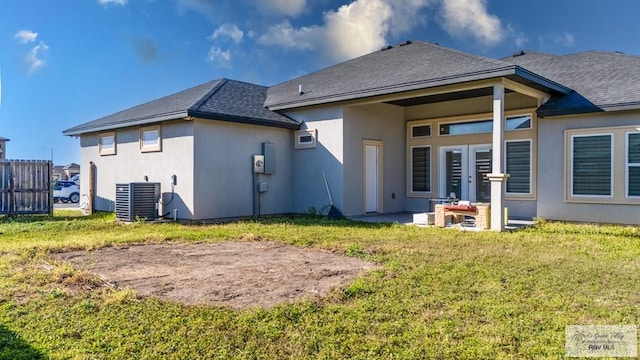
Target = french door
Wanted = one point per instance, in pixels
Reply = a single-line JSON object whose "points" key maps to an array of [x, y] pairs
{"points": [[463, 170]]}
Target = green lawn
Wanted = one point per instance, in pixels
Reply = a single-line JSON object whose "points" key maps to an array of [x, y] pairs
{"points": [[438, 294]]}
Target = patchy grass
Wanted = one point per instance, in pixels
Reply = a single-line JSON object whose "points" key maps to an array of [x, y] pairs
{"points": [[438, 294]]}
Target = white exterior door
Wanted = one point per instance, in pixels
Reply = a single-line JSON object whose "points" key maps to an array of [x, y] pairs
{"points": [[463, 170], [372, 176]]}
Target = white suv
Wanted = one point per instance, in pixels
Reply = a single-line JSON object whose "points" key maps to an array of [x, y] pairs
{"points": [[66, 191]]}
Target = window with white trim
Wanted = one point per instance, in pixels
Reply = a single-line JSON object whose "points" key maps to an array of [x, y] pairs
{"points": [[518, 166], [633, 164], [591, 171], [521, 122], [107, 143], [421, 169], [306, 139], [151, 138]]}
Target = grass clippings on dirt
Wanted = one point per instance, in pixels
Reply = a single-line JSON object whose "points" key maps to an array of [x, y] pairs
{"points": [[436, 294]]}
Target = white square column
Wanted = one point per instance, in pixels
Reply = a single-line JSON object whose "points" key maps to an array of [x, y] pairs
{"points": [[497, 177]]}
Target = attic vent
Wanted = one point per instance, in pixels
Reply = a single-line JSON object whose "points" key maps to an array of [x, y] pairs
{"points": [[408, 42], [388, 47], [434, 43], [519, 53]]}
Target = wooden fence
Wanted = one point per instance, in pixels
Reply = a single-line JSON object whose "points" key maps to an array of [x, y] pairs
{"points": [[25, 187]]}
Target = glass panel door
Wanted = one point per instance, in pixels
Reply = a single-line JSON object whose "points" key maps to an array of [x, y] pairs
{"points": [[480, 181], [454, 173], [463, 170]]}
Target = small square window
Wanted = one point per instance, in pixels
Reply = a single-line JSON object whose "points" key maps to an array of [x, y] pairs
{"points": [[107, 143], [306, 139], [150, 139]]}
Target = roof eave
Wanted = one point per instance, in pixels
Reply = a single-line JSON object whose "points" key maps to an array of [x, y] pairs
{"points": [[634, 105], [540, 80], [542, 112], [125, 123], [512, 70], [243, 120]]}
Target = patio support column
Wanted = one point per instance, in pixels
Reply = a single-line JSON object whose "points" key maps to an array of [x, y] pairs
{"points": [[497, 177]]}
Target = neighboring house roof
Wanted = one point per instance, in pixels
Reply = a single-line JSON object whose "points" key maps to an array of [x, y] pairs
{"points": [[222, 99], [71, 166], [3, 139], [603, 81], [410, 66]]}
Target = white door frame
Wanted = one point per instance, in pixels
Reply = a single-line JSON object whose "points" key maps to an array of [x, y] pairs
{"points": [[378, 179], [468, 166]]}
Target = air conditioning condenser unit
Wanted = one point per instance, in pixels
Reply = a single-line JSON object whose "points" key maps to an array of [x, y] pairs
{"points": [[137, 201]]}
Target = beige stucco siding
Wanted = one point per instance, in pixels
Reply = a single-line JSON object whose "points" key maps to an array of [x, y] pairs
{"points": [[129, 164], [553, 201], [309, 192], [223, 178], [383, 123], [479, 105]]}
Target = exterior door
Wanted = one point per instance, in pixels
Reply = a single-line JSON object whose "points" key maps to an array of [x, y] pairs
{"points": [[463, 170], [372, 176]]}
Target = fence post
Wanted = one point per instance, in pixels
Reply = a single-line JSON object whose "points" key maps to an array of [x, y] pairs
{"points": [[92, 180], [50, 162], [11, 193]]}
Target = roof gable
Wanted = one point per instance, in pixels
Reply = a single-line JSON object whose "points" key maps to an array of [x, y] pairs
{"points": [[222, 99], [410, 66]]}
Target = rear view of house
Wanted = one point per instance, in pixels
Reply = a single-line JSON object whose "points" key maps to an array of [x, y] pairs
{"points": [[551, 136]]}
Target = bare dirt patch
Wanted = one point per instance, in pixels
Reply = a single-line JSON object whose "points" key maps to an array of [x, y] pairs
{"points": [[237, 274]]}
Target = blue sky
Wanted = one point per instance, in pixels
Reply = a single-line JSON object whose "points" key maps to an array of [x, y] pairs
{"points": [[66, 62]]}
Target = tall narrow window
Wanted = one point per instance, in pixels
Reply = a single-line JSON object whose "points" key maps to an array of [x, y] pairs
{"points": [[591, 165], [421, 169], [107, 143], [150, 139], [519, 167], [633, 164]]}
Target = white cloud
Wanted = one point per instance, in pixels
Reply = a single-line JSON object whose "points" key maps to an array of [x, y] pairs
{"points": [[25, 36], [220, 57], [565, 39], [358, 28], [353, 30], [288, 37], [470, 18], [407, 14], [116, 2], [283, 7], [519, 38], [229, 30], [33, 57], [204, 7], [363, 26]]}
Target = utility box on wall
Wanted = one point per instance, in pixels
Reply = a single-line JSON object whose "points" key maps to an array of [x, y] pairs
{"points": [[269, 152]]}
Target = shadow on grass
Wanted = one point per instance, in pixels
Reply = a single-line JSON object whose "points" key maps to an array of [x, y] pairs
{"points": [[45, 218], [13, 347], [313, 220]]}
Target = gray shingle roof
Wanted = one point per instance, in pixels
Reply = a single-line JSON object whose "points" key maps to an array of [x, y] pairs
{"points": [[602, 81], [413, 66], [222, 99]]}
